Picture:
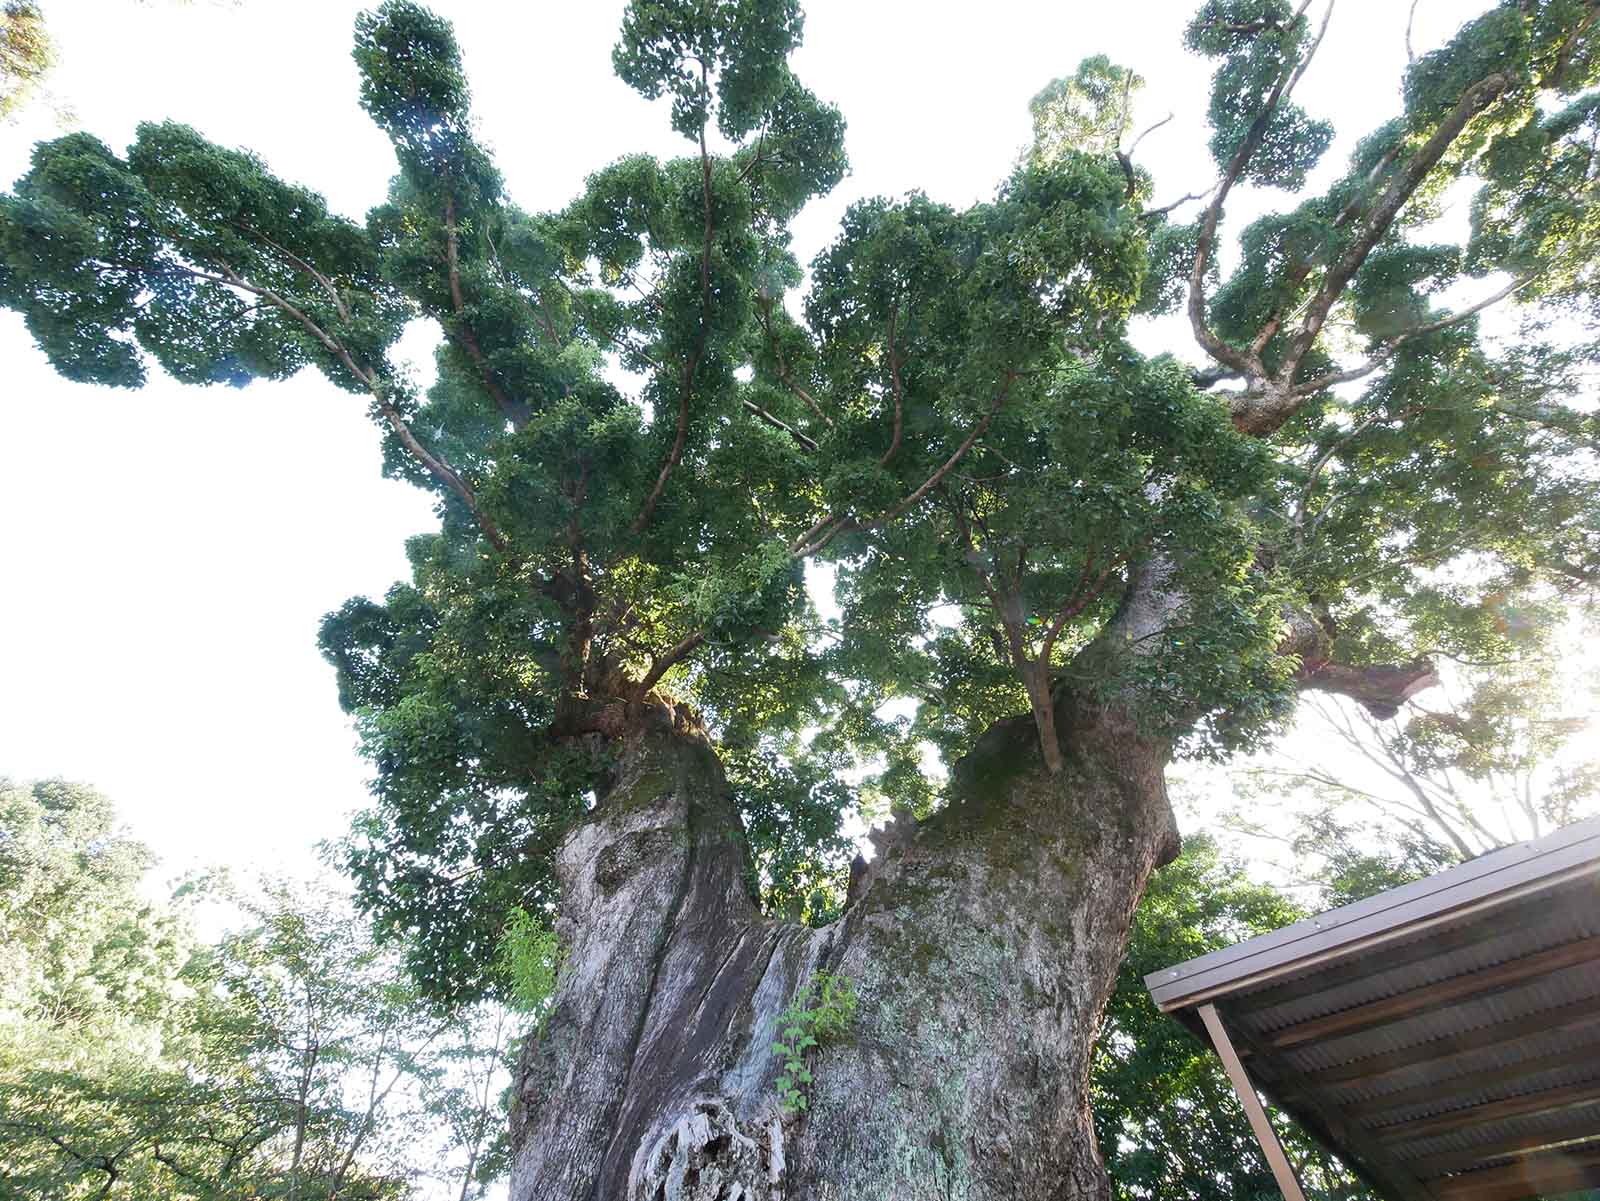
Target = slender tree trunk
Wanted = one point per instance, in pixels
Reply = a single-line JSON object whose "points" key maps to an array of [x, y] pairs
{"points": [[982, 943]]}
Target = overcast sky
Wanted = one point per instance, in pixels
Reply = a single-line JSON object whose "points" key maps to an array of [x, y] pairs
{"points": [[168, 553]]}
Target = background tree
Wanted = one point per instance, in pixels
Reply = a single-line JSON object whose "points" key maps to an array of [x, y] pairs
{"points": [[290, 1058], [1166, 1116], [1502, 753], [80, 948], [606, 692], [26, 54]]}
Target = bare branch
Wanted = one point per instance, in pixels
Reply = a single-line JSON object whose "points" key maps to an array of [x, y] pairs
{"points": [[1148, 132], [1381, 688], [1167, 208], [1212, 376], [777, 423], [1311, 53]]}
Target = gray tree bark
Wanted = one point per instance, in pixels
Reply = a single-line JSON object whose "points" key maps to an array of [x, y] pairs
{"points": [[983, 944]]}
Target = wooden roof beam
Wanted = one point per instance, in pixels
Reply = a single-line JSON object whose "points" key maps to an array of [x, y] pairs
{"points": [[1437, 1088], [1581, 1014], [1581, 1129]]}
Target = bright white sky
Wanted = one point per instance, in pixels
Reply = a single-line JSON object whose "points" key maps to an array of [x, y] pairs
{"points": [[167, 553]]}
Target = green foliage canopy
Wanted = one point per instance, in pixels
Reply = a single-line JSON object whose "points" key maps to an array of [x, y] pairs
{"points": [[643, 432]]}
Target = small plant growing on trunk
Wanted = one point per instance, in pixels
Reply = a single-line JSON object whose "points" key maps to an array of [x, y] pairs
{"points": [[530, 958], [831, 1008]]}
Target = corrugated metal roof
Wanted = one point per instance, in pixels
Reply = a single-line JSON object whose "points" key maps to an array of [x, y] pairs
{"points": [[1562, 916], [1443, 1037]]}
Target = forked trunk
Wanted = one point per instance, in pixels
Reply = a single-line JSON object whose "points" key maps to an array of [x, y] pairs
{"points": [[982, 945]]}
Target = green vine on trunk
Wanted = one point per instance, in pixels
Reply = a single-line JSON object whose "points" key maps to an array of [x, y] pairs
{"points": [[820, 1014]]}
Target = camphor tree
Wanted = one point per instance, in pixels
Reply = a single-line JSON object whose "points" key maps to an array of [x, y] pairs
{"points": [[606, 692]]}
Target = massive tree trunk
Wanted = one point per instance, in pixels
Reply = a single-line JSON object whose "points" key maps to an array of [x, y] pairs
{"points": [[982, 944]]}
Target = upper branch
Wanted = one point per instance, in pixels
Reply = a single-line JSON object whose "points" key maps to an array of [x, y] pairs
{"points": [[435, 465], [1388, 349], [659, 666], [778, 423], [1381, 688], [1267, 403], [1473, 101], [518, 414], [1227, 355], [894, 380], [1270, 400], [785, 376], [692, 363], [300, 264], [1084, 593], [829, 527]]}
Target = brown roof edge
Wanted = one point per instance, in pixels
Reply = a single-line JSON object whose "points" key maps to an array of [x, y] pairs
{"points": [[1497, 877]]}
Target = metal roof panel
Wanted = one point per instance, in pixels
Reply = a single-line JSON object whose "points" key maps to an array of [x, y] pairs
{"points": [[1500, 876]]}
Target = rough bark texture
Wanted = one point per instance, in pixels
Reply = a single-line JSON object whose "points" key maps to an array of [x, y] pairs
{"points": [[982, 944]]}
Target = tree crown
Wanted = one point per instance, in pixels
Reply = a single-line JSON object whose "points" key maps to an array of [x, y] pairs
{"points": [[645, 430]]}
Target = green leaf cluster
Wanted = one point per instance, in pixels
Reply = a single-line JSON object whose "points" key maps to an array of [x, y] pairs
{"points": [[1257, 44], [26, 54], [531, 956]]}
